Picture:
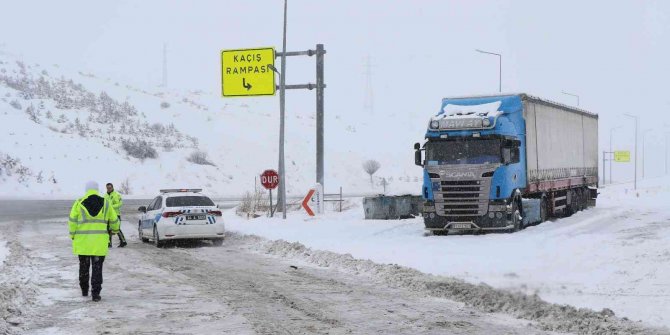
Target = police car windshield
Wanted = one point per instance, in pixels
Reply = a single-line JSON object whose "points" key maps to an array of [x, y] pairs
{"points": [[188, 201]]}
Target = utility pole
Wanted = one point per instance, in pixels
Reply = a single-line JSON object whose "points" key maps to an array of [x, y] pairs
{"points": [[635, 118], [282, 104]]}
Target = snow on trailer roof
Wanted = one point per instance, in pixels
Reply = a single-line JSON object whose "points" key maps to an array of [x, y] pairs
{"points": [[527, 97]]}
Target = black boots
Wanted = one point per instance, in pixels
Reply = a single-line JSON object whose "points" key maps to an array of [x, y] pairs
{"points": [[122, 244], [96, 298], [84, 292]]}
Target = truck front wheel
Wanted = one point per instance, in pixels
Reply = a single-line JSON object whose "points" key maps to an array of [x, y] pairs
{"points": [[517, 220]]}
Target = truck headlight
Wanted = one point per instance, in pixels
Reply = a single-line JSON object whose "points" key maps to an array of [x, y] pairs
{"points": [[499, 215], [486, 122], [491, 215], [434, 124]]}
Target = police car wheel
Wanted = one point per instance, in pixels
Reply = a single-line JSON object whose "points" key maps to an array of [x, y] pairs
{"points": [[157, 242], [140, 234]]}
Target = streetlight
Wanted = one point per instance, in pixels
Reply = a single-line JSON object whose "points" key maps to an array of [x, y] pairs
{"points": [[643, 156], [574, 95], [635, 118], [499, 66], [611, 132]]}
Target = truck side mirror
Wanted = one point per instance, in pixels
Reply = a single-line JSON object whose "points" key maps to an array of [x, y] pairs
{"points": [[142, 209], [506, 155], [417, 154]]}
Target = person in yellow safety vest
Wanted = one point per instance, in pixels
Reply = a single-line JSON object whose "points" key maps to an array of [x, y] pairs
{"points": [[115, 199], [90, 217]]}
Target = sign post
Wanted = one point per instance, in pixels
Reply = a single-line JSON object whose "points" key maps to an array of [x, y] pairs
{"points": [[270, 180]]}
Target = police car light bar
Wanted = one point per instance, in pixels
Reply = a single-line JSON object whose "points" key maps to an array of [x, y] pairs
{"points": [[175, 190]]}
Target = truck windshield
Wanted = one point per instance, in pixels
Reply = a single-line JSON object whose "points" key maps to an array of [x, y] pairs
{"points": [[475, 151]]}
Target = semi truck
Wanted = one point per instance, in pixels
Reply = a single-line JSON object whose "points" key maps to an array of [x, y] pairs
{"points": [[503, 162]]}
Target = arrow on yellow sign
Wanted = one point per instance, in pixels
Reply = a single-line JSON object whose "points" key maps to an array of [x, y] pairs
{"points": [[245, 84]]}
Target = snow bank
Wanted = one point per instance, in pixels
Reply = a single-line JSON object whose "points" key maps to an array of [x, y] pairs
{"points": [[612, 256], [3, 253], [550, 317], [16, 286]]}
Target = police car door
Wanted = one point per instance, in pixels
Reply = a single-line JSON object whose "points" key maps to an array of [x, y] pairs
{"points": [[148, 218]]}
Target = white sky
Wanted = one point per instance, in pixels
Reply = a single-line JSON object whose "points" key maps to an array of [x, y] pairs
{"points": [[614, 54]]}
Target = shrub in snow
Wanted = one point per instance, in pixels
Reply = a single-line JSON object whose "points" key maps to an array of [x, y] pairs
{"points": [[165, 104], [200, 158], [32, 115], [139, 149], [252, 203], [16, 104]]}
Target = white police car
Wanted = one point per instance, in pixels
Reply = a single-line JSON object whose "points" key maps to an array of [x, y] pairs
{"points": [[179, 214]]}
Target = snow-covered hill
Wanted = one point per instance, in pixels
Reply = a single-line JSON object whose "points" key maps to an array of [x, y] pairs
{"points": [[63, 127]]}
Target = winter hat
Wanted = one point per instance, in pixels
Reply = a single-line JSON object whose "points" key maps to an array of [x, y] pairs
{"points": [[91, 185]]}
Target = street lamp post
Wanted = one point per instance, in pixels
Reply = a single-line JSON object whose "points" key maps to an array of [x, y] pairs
{"points": [[499, 66], [611, 132], [643, 145], [574, 95], [635, 118]]}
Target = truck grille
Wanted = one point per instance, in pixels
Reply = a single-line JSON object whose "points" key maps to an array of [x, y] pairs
{"points": [[463, 199]]}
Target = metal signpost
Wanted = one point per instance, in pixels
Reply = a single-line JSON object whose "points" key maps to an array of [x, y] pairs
{"points": [[250, 72], [270, 180], [319, 86]]}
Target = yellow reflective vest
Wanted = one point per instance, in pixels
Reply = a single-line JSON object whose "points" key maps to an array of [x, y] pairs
{"points": [[90, 234], [115, 201]]}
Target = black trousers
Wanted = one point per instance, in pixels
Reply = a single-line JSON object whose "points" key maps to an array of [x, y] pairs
{"points": [[85, 264], [122, 239]]}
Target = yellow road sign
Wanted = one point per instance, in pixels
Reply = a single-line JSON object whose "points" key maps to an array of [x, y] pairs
{"points": [[622, 156], [245, 72]]}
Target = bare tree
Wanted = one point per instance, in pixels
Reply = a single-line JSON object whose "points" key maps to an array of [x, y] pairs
{"points": [[125, 188], [371, 166]]}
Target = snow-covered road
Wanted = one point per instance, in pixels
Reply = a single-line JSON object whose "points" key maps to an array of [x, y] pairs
{"points": [[615, 256], [200, 289]]}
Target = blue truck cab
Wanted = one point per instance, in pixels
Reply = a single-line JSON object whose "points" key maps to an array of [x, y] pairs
{"points": [[475, 171]]}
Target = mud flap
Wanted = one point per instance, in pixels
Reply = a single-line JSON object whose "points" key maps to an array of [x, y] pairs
{"points": [[593, 195], [531, 211]]}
